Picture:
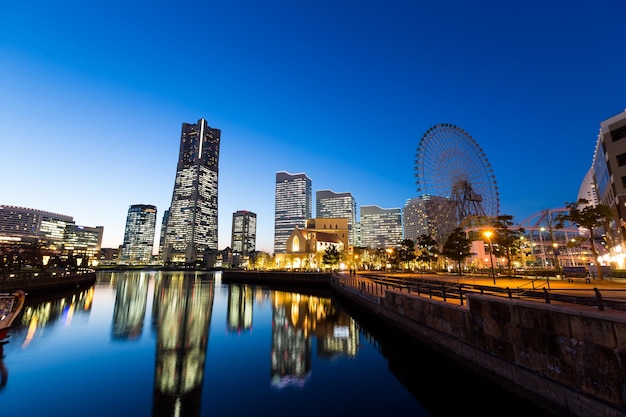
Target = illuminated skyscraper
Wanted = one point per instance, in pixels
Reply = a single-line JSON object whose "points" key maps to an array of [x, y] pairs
{"points": [[329, 204], [139, 234], [243, 241], [191, 231], [294, 205], [381, 228]]}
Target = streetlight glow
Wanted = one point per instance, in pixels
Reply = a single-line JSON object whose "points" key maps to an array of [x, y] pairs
{"points": [[488, 234]]}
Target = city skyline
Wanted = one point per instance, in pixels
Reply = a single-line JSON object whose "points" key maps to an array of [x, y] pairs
{"points": [[342, 92]]}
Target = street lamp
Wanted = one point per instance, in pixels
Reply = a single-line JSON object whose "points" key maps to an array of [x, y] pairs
{"points": [[555, 249], [488, 235]]}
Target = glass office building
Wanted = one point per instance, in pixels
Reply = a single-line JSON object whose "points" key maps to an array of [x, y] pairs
{"points": [[191, 230], [139, 234], [329, 204], [293, 206], [381, 228], [243, 239]]}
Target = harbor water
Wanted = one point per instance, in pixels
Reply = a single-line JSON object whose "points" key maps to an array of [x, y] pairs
{"points": [[185, 344]]}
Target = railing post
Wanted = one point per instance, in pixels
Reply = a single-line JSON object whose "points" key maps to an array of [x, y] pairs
{"points": [[599, 299], [508, 290], [461, 293], [547, 295], [443, 292]]}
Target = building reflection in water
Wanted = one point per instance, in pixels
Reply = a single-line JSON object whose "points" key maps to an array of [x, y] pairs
{"points": [[239, 309], [182, 308], [296, 319], [129, 311], [36, 317]]}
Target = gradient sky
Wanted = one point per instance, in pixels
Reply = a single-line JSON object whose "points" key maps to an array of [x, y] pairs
{"points": [[92, 98]]}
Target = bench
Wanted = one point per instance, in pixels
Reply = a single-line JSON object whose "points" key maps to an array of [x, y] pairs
{"points": [[572, 278]]}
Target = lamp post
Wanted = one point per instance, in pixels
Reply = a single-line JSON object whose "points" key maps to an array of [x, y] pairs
{"points": [[555, 249], [488, 235]]}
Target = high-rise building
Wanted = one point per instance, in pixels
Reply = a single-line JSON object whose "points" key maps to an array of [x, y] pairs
{"points": [[428, 215], [293, 206], [329, 204], [191, 231], [139, 234], [381, 228], [243, 240]]}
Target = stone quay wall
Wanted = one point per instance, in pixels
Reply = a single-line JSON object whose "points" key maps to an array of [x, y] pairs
{"points": [[570, 360]]}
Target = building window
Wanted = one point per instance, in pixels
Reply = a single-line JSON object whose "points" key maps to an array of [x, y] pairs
{"points": [[621, 159], [619, 133], [295, 245], [624, 182]]}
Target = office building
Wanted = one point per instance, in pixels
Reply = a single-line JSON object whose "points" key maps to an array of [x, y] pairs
{"points": [[293, 206], [191, 231], [243, 239], [139, 234], [329, 204], [428, 215], [56, 234], [381, 228]]}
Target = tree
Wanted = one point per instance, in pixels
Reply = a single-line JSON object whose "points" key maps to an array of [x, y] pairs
{"points": [[331, 256], [506, 239], [589, 217], [406, 251], [457, 247], [427, 249]]}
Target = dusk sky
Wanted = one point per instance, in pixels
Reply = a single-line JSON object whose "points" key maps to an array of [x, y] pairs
{"points": [[93, 96]]}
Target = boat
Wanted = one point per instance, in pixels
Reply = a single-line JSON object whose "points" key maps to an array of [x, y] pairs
{"points": [[11, 305]]}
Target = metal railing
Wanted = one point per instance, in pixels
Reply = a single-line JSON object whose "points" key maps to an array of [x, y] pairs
{"points": [[456, 292]]}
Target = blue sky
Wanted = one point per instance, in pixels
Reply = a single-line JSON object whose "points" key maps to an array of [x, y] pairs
{"points": [[92, 98]]}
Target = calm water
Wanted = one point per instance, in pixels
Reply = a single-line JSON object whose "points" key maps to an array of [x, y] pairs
{"points": [[185, 344]]}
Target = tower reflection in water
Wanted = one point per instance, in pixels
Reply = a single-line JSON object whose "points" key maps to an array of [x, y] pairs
{"points": [[181, 314], [296, 319], [129, 311]]}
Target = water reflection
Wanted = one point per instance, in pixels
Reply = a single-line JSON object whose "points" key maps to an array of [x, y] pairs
{"points": [[129, 311], [183, 303], [39, 314]]}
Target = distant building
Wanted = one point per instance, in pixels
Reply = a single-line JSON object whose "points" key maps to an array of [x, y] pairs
{"points": [[243, 239], [293, 206], [191, 231], [428, 215], [56, 233], [381, 228], [329, 204], [139, 234]]}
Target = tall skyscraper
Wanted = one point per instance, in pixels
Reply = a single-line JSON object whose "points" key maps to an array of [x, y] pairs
{"points": [[294, 205], [139, 234], [381, 228], [429, 215], [329, 204], [243, 240], [191, 231]]}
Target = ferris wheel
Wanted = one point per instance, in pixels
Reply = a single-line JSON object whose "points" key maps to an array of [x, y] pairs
{"points": [[449, 163]]}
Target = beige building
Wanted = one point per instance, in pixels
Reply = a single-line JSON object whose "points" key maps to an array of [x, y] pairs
{"points": [[306, 247]]}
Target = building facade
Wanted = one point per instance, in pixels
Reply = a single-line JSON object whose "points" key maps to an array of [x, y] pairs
{"points": [[139, 234], [329, 204], [428, 215], [243, 238], [191, 230], [293, 206], [381, 228], [57, 234], [609, 175]]}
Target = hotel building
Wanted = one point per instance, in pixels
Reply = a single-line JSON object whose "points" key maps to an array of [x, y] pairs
{"points": [[293, 206], [139, 234], [191, 229]]}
